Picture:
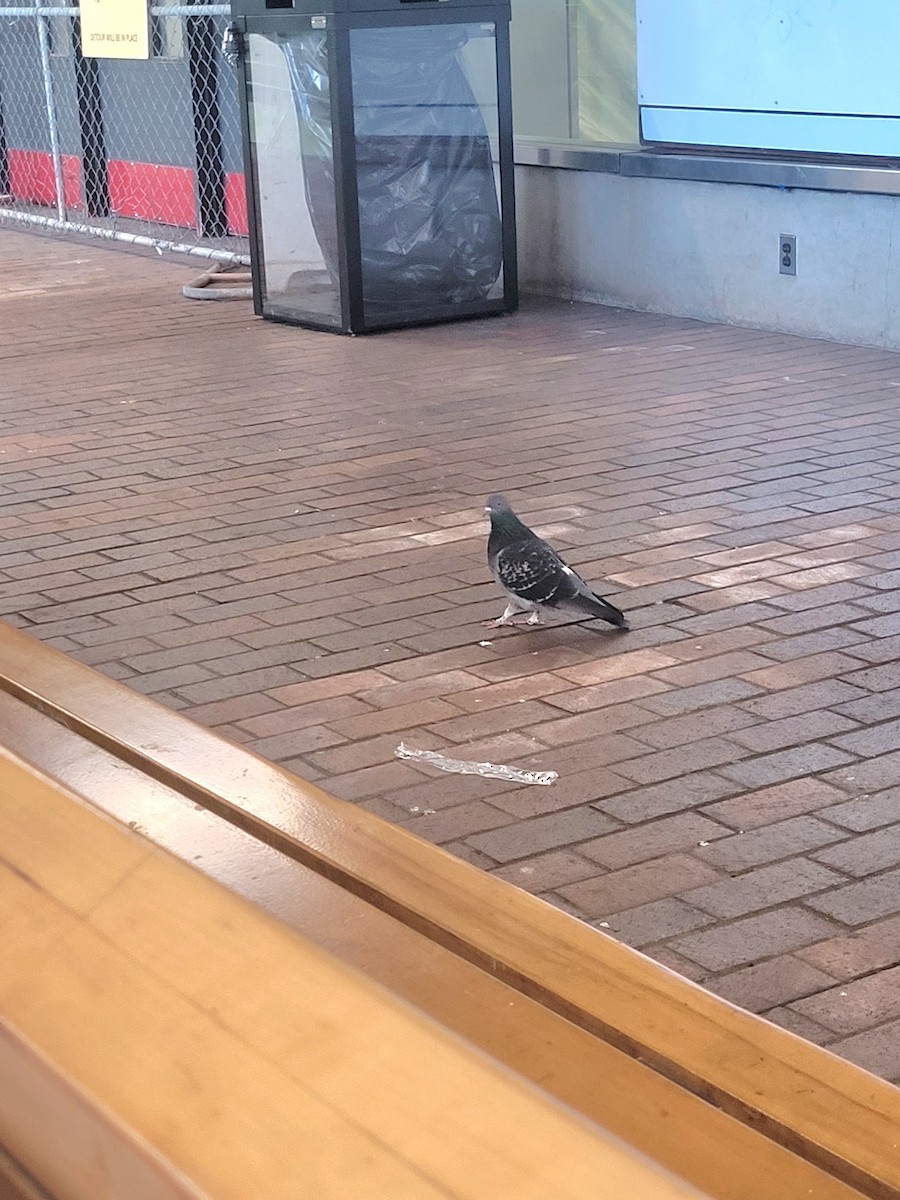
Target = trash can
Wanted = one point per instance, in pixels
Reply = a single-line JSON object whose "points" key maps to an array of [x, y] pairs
{"points": [[378, 160]]}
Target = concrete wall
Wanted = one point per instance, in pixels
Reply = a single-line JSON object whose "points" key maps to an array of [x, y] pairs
{"points": [[710, 251]]}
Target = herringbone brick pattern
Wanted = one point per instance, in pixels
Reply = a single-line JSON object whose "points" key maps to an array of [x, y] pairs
{"points": [[280, 533]]}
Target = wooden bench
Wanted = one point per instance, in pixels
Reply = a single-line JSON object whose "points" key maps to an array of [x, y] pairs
{"points": [[380, 1019]]}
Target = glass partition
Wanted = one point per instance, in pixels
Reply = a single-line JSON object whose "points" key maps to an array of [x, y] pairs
{"points": [[574, 70], [289, 112], [427, 141]]}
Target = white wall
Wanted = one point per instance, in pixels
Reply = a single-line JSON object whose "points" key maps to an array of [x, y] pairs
{"points": [[710, 250], [539, 35]]}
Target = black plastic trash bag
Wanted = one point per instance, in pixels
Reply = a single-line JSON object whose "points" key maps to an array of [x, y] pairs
{"points": [[429, 218]]}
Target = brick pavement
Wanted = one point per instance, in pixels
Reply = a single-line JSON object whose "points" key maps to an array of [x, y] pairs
{"points": [[280, 533]]}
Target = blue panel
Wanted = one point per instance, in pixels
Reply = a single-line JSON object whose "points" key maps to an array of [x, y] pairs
{"points": [[745, 57], [772, 131]]}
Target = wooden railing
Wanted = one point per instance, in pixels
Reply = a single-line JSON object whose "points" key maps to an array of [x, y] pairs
{"points": [[348, 1031]]}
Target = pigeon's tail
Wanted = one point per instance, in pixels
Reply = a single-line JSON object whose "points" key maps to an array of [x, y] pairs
{"points": [[596, 606]]}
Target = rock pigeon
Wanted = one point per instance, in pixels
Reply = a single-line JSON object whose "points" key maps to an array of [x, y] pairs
{"points": [[533, 575]]}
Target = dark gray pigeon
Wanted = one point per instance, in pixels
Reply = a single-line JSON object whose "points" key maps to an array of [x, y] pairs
{"points": [[533, 576]]}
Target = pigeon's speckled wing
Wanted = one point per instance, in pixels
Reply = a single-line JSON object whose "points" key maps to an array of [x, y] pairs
{"points": [[534, 576], [534, 572]]}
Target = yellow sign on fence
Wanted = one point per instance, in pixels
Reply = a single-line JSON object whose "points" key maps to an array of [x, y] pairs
{"points": [[115, 29]]}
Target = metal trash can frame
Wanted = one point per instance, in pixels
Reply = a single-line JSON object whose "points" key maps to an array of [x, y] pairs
{"points": [[378, 159]]}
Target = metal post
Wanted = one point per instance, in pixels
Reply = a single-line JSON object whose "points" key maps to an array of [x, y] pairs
{"points": [[4, 162], [507, 168], [346, 177], [257, 269], [202, 46], [94, 172], [50, 102]]}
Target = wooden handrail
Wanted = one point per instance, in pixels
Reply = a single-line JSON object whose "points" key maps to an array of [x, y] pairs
{"points": [[16, 1183], [161, 1039], [823, 1110], [682, 1132]]}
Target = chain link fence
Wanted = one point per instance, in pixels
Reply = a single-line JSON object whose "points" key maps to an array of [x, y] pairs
{"points": [[142, 151]]}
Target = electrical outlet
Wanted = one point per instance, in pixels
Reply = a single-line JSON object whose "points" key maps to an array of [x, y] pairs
{"points": [[787, 254]]}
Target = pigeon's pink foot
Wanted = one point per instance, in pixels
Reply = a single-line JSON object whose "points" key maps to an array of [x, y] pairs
{"points": [[510, 616]]}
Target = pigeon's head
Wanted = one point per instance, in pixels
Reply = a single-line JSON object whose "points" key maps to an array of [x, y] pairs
{"points": [[496, 506]]}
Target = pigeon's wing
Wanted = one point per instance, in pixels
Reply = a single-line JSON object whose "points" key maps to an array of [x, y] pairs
{"points": [[534, 572]]}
